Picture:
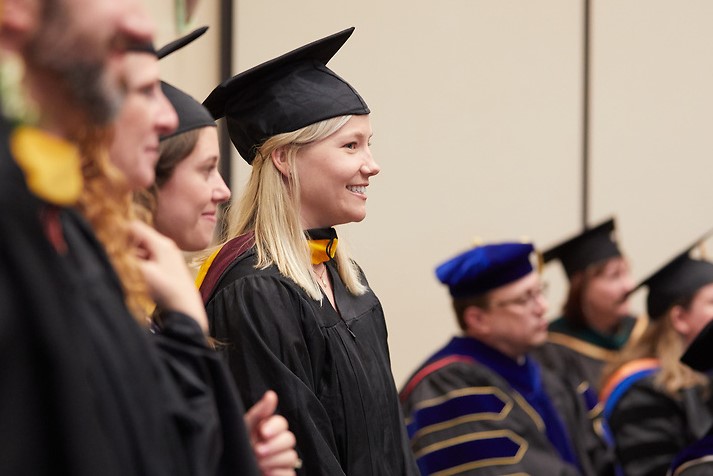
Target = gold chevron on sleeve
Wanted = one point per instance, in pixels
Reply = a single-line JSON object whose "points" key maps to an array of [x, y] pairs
{"points": [[471, 417], [484, 435], [583, 347]]}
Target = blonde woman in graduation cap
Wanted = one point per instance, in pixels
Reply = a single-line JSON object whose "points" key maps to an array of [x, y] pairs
{"points": [[295, 312], [655, 404]]}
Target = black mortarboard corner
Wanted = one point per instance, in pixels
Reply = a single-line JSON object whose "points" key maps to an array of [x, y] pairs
{"points": [[169, 48], [593, 245], [180, 42], [284, 94], [678, 279], [699, 355], [191, 113]]}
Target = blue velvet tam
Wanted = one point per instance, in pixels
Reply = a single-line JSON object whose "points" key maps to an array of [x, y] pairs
{"points": [[484, 268]]}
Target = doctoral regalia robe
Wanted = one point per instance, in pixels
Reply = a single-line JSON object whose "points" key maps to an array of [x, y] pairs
{"points": [[472, 410], [579, 355]]}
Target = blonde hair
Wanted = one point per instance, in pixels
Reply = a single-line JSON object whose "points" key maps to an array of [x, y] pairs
{"points": [[106, 203], [661, 341], [270, 207]]}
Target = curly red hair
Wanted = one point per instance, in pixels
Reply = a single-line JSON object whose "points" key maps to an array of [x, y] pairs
{"points": [[106, 202]]}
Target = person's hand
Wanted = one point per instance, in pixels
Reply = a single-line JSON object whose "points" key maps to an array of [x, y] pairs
{"points": [[169, 281], [272, 442]]}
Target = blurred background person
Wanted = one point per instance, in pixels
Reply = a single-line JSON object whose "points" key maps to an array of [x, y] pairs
{"points": [[697, 458], [595, 322], [654, 404], [482, 404]]}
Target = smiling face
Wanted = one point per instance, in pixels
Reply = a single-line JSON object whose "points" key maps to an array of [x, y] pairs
{"points": [[334, 175], [145, 115], [187, 203]]}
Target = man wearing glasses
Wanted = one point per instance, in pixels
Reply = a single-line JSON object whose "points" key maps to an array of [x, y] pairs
{"points": [[481, 405]]}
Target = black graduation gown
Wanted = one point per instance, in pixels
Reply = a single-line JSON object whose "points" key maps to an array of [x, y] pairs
{"points": [[332, 374], [580, 355], [45, 427], [85, 389], [650, 427]]}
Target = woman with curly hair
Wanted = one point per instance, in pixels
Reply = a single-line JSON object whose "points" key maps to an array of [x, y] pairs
{"points": [[211, 402], [177, 378]]}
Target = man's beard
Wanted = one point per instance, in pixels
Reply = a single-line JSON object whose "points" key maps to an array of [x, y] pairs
{"points": [[80, 71], [89, 87]]}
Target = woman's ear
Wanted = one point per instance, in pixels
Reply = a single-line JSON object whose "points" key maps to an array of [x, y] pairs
{"points": [[678, 320], [280, 161]]}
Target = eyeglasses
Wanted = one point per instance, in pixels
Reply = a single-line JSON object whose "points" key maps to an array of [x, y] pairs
{"points": [[526, 299]]}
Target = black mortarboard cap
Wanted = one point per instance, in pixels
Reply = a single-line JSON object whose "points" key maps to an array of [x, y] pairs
{"points": [[679, 278], [191, 113], [284, 94], [593, 245]]}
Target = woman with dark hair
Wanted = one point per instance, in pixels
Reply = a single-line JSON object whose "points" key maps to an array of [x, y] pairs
{"points": [[595, 322], [183, 205]]}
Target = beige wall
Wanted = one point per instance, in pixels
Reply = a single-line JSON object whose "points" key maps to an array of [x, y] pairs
{"points": [[476, 108], [196, 67]]}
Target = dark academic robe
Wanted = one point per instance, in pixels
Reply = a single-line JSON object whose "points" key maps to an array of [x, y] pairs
{"points": [[44, 424], [472, 410], [331, 372], [694, 460], [84, 389], [579, 354], [650, 426]]}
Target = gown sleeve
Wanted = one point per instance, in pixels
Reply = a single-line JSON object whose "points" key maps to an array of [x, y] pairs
{"points": [[211, 421], [272, 341], [649, 430], [695, 460], [595, 450], [463, 418]]}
